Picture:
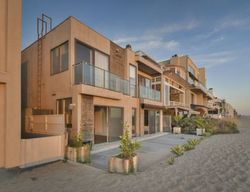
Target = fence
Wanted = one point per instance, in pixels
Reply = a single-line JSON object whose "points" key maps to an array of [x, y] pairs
{"points": [[45, 124], [167, 123], [42, 150]]}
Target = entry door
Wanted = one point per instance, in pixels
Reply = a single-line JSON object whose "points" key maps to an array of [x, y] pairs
{"points": [[151, 121], [2, 122], [108, 124], [115, 123]]}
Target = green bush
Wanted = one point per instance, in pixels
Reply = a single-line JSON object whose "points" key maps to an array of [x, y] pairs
{"points": [[188, 147], [171, 161], [76, 141], [177, 150], [128, 148], [193, 142], [177, 120], [187, 125]]}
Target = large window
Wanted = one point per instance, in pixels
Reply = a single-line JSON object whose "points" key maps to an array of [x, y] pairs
{"points": [[132, 80], [83, 54], [145, 82], [102, 64], [59, 59]]}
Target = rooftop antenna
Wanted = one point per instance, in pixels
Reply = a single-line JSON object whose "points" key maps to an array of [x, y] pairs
{"points": [[44, 25]]}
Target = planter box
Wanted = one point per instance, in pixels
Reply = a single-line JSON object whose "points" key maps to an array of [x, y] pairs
{"points": [[200, 132], [83, 154], [119, 165], [177, 130], [71, 153], [80, 154]]}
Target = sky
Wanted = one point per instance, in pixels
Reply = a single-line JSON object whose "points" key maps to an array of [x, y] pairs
{"points": [[214, 33]]}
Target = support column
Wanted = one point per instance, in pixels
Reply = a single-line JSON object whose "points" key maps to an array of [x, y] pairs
{"points": [[161, 120]]}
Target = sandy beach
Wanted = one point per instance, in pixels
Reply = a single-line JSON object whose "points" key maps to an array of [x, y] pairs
{"points": [[219, 163]]}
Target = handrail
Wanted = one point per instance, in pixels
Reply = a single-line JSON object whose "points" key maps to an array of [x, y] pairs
{"points": [[149, 93], [85, 73]]}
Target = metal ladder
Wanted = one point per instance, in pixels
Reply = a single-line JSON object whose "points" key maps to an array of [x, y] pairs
{"points": [[42, 29]]}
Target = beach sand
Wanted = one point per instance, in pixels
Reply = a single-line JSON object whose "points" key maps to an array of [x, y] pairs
{"points": [[219, 163]]}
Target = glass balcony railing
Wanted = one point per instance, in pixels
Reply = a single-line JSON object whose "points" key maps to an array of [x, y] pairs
{"points": [[91, 75], [148, 93]]}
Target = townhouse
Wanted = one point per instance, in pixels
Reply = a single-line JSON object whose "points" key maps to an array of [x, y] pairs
{"points": [[186, 85], [95, 83]]}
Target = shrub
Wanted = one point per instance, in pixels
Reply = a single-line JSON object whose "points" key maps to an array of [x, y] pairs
{"points": [[171, 161], [177, 120], [220, 126], [76, 140], [188, 147], [128, 148], [193, 142], [177, 150], [187, 125], [200, 122]]}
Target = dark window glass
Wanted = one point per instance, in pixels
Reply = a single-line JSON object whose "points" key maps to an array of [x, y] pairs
{"points": [[59, 59], [83, 53]]}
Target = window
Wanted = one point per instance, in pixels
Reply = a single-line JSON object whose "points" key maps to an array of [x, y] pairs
{"points": [[63, 108], [192, 98], [132, 80], [83, 53], [145, 82], [59, 59], [133, 122], [102, 64], [191, 70]]}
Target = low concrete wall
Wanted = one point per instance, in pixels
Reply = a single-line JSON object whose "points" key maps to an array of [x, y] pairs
{"points": [[45, 124], [42, 150]]}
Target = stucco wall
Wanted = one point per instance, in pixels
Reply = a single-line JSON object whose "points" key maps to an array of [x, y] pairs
{"points": [[10, 57], [55, 86]]}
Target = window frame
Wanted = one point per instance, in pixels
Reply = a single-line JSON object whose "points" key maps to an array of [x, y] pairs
{"points": [[136, 81], [60, 62]]}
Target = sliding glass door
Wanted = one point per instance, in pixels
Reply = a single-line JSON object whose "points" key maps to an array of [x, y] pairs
{"points": [[108, 124], [151, 121]]}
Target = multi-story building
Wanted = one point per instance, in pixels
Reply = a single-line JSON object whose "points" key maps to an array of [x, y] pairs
{"points": [[10, 72], [95, 83], [187, 86]]}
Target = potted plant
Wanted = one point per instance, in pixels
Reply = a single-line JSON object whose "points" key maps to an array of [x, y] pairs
{"points": [[177, 124], [200, 124], [127, 161], [78, 151]]}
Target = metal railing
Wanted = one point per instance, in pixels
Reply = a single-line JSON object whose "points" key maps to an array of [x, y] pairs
{"points": [[148, 93], [177, 103], [203, 88], [88, 74]]}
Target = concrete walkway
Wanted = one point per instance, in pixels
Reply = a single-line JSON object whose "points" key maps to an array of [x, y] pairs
{"points": [[152, 150]]}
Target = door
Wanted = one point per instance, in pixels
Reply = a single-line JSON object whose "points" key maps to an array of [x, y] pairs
{"points": [[108, 124], [115, 123], [101, 124]]}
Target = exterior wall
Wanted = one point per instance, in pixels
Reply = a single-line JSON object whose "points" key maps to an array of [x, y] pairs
{"points": [[87, 113], [50, 90], [117, 60], [10, 46], [202, 77], [2, 123], [42, 150]]}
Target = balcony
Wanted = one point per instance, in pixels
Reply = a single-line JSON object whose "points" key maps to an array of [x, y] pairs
{"points": [[177, 104], [91, 75], [200, 87], [148, 93]]}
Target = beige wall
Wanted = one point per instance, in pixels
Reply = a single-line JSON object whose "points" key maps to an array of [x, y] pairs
{"points": [[2, 123], [55, 86], [10, 57]]}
